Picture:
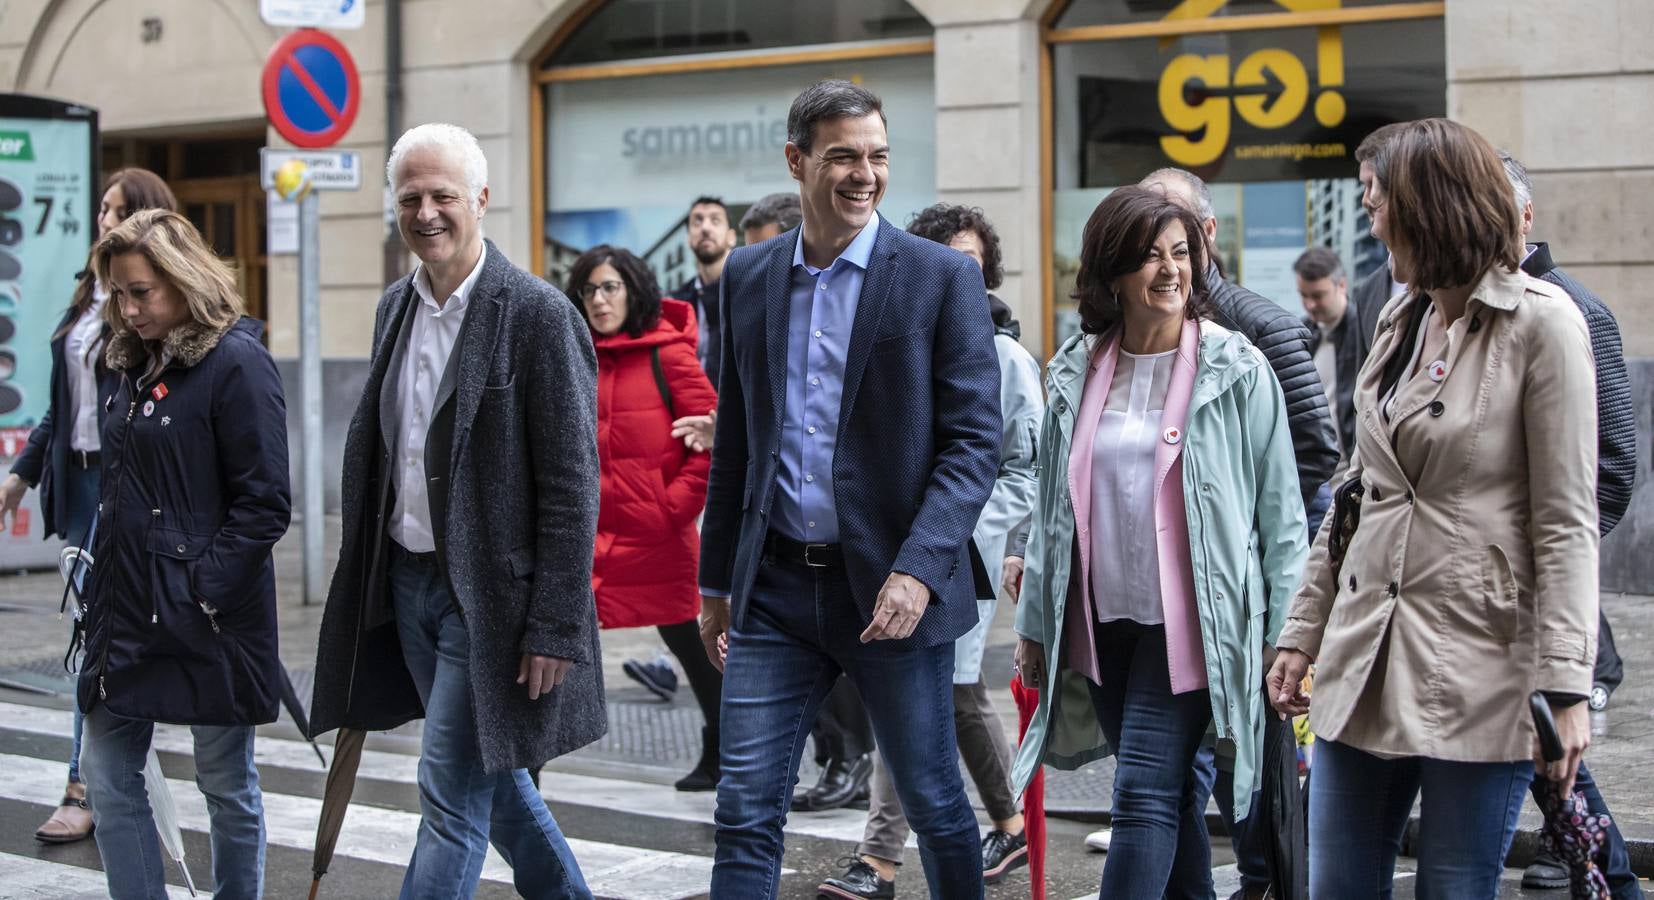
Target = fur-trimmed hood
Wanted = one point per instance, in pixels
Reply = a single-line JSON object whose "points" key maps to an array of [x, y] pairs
{"points": [[185, 345]]}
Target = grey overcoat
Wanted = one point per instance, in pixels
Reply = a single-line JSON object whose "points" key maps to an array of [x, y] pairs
{"points": [[512, 461]]}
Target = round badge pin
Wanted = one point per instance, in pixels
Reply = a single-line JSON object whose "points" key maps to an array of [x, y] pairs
{"points": [[149, 408], [1438, 370], [1173, 435]]}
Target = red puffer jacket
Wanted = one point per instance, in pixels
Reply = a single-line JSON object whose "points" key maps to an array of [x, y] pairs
{"points": [[643, 572]]}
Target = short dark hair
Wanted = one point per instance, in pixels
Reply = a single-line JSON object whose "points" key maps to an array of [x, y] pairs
{"points": [[1117, 239], [941, 222], [1374, 142], [1317, 263], [642, 291], [783, 209], [705, 200], [827, 100], [1451, 211]]}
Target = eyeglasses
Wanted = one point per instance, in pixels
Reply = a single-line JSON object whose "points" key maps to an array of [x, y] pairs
{"points": [[610, 289]]}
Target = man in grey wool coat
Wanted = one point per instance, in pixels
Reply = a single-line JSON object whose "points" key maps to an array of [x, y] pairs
{"points": [[463, 592]]}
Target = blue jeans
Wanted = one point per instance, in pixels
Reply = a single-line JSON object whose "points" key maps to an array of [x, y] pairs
{"points": [[1159, 846], [1249, 840], [462, 807], [1358, 809], [801, 630], [133, 862], [1616, 861], [80, 487]]}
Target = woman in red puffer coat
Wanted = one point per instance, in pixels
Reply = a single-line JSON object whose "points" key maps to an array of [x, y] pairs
{"points": [[653, 486]]}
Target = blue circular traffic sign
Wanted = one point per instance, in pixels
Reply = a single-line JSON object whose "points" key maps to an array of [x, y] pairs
{"points": [[311, 89]]}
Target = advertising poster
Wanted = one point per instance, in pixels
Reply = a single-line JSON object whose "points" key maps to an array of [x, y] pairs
{"points": [[47, 208]]}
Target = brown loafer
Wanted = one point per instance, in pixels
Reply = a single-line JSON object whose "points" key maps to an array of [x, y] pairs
{"points": [[71, 821]]}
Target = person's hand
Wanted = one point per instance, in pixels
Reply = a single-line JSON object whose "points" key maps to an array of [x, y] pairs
{"points": [[542, 673], [1030, 663], [715, 628], [696, 431], [896, 613], [1010, 578], [11, 494], [1573, 725], [1285, 683]]}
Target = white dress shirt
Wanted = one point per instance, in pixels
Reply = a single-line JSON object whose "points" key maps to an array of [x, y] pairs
{"points": [[80, 350], [1125, 556], [431, 340]]}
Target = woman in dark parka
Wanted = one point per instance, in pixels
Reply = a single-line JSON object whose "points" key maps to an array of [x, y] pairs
{"points": [[181, 617], [61, 458]]}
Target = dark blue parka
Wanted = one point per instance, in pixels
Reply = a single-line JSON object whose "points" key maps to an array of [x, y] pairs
{"points": [[181, 620]]}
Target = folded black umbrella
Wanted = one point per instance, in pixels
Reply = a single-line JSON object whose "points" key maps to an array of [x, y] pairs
{"points": [[1283, 802]]}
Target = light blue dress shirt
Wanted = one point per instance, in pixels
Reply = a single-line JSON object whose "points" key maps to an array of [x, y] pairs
{"points": [[819, 320]]}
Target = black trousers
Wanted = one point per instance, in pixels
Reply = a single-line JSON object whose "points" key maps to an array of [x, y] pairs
{"points": [[1610, 671], [684, 640], [842, 729]]}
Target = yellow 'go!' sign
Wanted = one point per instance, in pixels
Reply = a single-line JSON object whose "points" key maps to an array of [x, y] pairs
{"points": [[1269, 88]]}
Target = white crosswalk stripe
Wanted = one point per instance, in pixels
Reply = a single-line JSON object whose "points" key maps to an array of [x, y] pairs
{"points": [[22, 878], [386, 835]]}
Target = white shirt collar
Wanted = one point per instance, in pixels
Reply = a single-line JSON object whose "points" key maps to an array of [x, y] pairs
{"points": [[462, 294]]}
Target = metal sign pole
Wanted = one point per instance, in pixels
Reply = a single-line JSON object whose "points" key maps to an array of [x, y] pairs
{"points": [[310, 388]]}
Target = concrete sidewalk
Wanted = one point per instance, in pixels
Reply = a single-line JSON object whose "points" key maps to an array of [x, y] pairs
{"points": [[655, 741]]}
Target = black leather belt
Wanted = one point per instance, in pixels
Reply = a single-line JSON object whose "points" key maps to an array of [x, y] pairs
{"points": [[85, 460], [816, 556], [423, 560]]}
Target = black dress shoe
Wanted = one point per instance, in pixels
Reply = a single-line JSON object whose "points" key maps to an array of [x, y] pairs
{"points": [[1544, 874], [860, 881], [1002, 852], [841, 783]]}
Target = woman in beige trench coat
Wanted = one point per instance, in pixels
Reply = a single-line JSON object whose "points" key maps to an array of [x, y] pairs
{"points": [[1472, 579]]}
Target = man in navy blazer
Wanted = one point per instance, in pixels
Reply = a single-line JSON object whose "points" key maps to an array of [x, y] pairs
{"points": [[857, 442]]}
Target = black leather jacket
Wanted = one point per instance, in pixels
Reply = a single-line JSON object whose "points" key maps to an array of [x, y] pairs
{"points": [[1285, 342]]}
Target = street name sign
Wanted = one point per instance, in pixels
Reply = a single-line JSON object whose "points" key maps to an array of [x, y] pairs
{"points": [[313, 13], [330, 170]]}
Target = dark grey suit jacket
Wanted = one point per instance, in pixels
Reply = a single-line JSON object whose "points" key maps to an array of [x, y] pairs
{"points": [[511, 455]]}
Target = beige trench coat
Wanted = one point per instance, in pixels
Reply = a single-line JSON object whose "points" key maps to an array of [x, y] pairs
{"points": [[1472, 579]]}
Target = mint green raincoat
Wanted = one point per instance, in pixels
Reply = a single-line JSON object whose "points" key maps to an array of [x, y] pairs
{"points": [[1246, 537]]}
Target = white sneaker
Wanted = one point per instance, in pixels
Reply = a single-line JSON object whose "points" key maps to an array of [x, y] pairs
{"points": [[1098, 840]]}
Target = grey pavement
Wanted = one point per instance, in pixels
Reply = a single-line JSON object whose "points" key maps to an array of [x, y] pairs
{"points": [[653, 742]]}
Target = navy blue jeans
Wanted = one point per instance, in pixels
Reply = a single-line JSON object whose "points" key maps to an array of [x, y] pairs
{"points": [[1358, 810], [1616, 861], [801, 630], [1159, 845], [462, 807]]}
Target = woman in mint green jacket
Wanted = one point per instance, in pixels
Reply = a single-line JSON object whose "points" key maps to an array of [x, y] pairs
{"points": [[1166, 543]]}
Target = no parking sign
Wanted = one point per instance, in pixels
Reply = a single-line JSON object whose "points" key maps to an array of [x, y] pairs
{"points": [[311, 90]]}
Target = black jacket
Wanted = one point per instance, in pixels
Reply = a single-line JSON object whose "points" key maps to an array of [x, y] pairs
{"points": [[705, 301], [181, 617], [1616, 420], [1353, 337], [1285, 343], [47, 452]]}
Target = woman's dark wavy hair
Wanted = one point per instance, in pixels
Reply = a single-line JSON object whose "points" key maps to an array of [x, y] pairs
{"points": [[642, 291], [941, 222], [143, 190], [1117, 239]]}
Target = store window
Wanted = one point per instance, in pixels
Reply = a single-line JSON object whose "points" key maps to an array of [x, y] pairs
{"points": [[629, 142], [1268, 112]]}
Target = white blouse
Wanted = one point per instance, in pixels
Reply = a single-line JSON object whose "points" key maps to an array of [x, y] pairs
{"points": [[80, 349], [1125, 560]]}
